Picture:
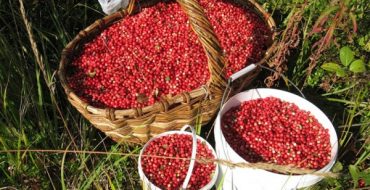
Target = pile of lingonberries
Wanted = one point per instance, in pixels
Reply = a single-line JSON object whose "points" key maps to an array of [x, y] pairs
{"points": [[275, 131], [155, 53], [169, 173]]}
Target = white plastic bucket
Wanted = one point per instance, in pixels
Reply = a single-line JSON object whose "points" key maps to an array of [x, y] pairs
{"points": [[149, 185], [111, 6], [257, 179]]}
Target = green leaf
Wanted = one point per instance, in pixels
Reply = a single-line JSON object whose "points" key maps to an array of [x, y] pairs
{"points": [[331, 67], [346, 55], [364, 42], [341, 73], [337, 167], [333, 183], [353, 170], [358, 66]]}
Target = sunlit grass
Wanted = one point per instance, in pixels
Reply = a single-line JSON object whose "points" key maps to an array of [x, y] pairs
{"points": [[35, 114]]}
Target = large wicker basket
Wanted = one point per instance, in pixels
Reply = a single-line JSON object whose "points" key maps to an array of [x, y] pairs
{"points": [[138, 125]]}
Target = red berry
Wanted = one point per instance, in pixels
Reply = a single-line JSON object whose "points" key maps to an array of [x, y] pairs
{"points": [[361, 183], [275, 131]]}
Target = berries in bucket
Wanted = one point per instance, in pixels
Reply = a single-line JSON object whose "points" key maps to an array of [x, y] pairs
{"points": [[275, 131], [277, 127], [168, 162]]}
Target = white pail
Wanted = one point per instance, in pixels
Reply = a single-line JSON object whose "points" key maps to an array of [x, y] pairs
{"points": [[149, 185], [257, 179]]}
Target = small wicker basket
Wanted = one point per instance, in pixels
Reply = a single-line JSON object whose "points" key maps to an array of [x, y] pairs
{"points": [[138, 125]]}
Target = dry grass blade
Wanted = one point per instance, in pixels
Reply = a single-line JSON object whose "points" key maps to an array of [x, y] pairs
{"points": [[36, 53], [274, 167], [31, 38], [39, 61], [263, 166]]}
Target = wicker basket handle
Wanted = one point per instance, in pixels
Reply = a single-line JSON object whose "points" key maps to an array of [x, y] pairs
{"points": [[204, 30], [130, 6]]}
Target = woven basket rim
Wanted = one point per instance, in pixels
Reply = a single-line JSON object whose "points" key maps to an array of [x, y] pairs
{"points": [[164, 103]]}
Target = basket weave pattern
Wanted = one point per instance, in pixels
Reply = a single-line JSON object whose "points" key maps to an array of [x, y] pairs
{"points": [[138, 125]]}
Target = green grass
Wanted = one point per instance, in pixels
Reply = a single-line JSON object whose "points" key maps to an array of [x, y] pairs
{"points": [[34, 112]]}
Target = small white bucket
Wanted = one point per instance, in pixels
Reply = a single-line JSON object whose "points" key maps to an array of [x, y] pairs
{"points": [[257, 179], [149, 185]]}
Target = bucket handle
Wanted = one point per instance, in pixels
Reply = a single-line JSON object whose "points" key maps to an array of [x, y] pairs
{"points": [[193, 156]]}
